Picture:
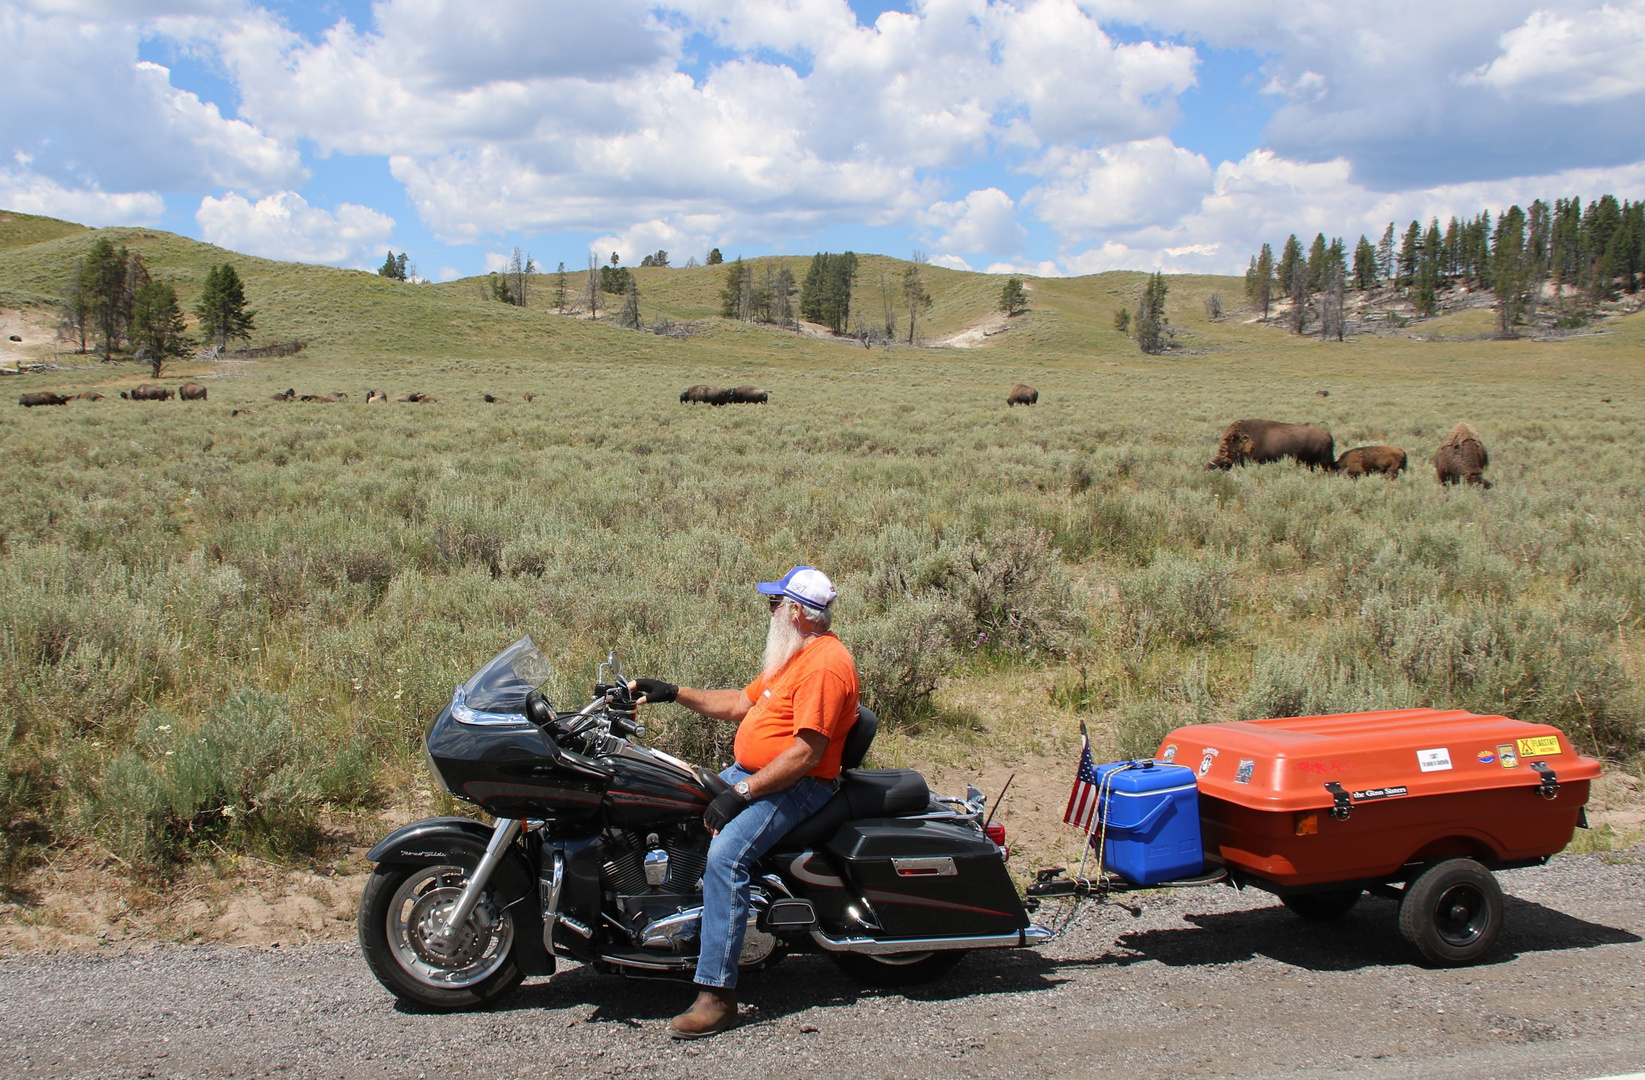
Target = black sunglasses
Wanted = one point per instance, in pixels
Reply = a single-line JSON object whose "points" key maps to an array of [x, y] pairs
{"points": [[777, 602]]}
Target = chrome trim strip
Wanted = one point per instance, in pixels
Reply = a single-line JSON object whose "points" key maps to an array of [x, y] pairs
{"points": [[461, 713], [1034, 935], [549, 892]]}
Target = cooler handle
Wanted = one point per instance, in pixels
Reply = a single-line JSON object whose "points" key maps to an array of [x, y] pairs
{"points": [[1148, 819]]}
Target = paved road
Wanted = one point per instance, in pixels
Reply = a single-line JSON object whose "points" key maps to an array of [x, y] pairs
{"points": [[1198, 983]]}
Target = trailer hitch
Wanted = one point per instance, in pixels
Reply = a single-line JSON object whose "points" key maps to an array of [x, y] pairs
{"points": [[1549, 788], [1342, 803]]}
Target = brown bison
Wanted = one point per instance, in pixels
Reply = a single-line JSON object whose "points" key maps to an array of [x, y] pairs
{"points": [[709, 395], [1461, 458], [151, 392], [287, 396], [41, 397], [1387, 460], [1022, 394], [191, 391], [1258, 441], [527, 395], [242, 412], [375, 395], [750, 395], [324, 399], [414, 398], [87, 395], [492, 400]]}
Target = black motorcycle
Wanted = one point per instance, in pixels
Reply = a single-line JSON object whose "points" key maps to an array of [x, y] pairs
{"points": [[597, 852]]}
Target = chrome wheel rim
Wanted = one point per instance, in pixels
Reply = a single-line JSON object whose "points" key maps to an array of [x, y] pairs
{"points": [[418, 912]]}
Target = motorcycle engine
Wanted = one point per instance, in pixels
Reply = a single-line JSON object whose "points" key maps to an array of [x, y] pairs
{"points": [[652, 873]]}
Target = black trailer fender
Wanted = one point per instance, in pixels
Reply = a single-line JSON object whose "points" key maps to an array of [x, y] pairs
{"points": [[459, 841]]}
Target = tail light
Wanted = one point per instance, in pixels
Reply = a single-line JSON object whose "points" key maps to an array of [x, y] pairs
{"points": [[996, 833]]}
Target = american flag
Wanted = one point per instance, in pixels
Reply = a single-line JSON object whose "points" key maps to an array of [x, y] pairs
{"points": [[1082, 801]]}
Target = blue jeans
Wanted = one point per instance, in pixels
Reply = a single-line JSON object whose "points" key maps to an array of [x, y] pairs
{"points": [[725, 882]]}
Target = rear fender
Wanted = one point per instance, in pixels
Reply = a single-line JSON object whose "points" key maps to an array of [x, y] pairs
{"points": [[458, 841]]}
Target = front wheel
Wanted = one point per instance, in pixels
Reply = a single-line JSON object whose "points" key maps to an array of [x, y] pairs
{"points": [[898, 969], [1452, 913], [402, 913]]}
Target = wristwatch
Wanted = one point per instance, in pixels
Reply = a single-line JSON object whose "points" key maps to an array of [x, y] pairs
{"points": [[741, 788]]}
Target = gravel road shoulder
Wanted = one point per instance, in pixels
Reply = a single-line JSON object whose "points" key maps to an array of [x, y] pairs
{"points": [[1206, 982]]}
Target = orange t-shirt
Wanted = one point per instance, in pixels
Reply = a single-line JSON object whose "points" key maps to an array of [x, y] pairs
{"points": [[815, 691]]}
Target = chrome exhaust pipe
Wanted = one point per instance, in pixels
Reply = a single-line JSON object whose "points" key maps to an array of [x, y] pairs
{"points": [[1033, 935]]}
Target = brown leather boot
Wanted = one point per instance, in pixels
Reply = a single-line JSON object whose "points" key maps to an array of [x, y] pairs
{"points": [[714, 1011]]}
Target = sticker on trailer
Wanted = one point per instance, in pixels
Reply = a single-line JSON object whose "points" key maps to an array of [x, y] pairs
{"points": [[1539, 746], [1506, 755], [1372, 794], [1205, 762], [1170, 752], [1246, 767], [1485, 757], [1436, 760]]}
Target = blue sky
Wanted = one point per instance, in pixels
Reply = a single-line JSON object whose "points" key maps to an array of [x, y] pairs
{"points": [[1046, 136]]}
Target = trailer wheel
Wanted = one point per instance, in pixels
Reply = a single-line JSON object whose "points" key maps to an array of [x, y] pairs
{"points": [[1323, 905], [1452, 913]]}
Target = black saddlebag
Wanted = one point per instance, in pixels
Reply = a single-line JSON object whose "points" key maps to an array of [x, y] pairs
{"points": [[929, 878]]}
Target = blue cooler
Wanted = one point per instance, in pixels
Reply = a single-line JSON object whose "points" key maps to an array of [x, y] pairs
{"points": [[1151, 812]]}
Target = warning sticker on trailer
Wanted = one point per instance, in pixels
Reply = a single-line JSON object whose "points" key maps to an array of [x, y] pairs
{"points": [[1539, 746], [1371, 794], [1436, 760]]}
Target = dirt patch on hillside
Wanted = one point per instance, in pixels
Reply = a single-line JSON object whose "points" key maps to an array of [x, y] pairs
{"points": [[39, 334]]}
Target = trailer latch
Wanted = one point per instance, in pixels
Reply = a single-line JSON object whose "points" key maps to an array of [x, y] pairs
{"points": [[1344, 804], [1550, 782]]}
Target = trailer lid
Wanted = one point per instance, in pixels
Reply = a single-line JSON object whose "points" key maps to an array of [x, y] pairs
{"points": [[1314, 762]]}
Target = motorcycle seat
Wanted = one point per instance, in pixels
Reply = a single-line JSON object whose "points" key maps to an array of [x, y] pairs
{"points": [[863, 793]]}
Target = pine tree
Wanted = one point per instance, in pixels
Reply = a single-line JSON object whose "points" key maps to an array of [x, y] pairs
{"points": [[1410, 250], [1013, 299], [157, 325], [1385, 254], [559, 289], [1299, 298], [731, 293], [629, 316], [394, 266], [782, 299], [714, 257], [1317, 264], [108, 282], [1332, 317], [914, 294], [1427, 275], [1150, 327], [1289, 256], [1365, 264], [222, 310], [1265, 280], [74, 312], [1510, 271]]}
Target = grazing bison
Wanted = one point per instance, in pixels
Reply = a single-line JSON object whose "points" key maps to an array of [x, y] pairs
{"points": [[1461, 458], [151, 392], [287, 396], [1022, 394], [17, 338], [527, 395], [1265, 440], [750, 395], [242, 412], [41, 397], [709, 395], [324, 399], [375, 395], [1322, 393], [87, 395], [1387, 460], [491, 400], [191, 391], [414, 398]]}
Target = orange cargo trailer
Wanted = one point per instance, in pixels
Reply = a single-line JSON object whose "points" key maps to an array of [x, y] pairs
{"points": [[1317, 809]]}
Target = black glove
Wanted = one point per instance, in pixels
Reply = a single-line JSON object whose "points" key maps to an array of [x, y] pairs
{"points": [[654, 691], [726, 805]]}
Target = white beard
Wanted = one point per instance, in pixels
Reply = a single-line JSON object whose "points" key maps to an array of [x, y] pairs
{"points": [[782, 642]]}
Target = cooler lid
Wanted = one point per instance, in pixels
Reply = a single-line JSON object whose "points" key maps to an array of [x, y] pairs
{"points": [[1292, 763], [1143, 777]]}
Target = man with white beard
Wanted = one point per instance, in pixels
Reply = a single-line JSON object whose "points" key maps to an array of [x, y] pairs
{"points": [[792, 723]]}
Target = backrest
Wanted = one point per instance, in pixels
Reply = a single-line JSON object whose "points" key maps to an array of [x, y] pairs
{"points": [[858, 739]]}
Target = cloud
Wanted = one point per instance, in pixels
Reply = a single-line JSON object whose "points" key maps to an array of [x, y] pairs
{"points": [[449, 273], [1573, 60], [1126, 186], [285, 226], [984, 220], [93, 116], [952, 262], [30, 193], [1043, 268]]}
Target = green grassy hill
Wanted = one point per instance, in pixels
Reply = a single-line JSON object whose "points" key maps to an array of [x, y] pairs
{"points": [[21, 230]]}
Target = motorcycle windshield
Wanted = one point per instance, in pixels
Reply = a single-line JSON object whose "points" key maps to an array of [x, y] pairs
{"points": [[503, 683]]}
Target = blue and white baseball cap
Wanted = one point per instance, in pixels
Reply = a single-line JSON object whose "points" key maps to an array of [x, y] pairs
{"points": [[806, 584]]}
